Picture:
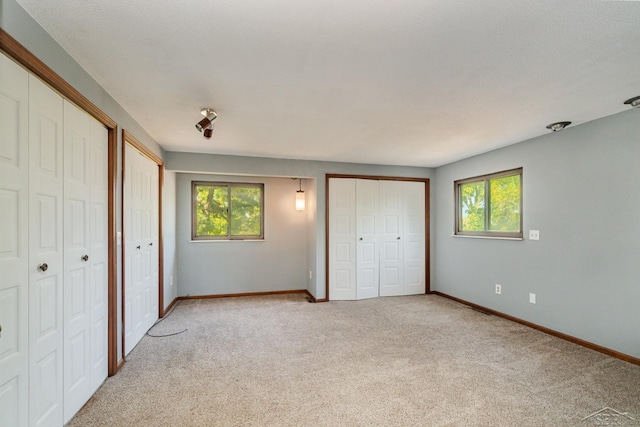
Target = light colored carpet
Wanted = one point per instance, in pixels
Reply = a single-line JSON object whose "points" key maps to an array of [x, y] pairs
{"points": [[402, 361]]}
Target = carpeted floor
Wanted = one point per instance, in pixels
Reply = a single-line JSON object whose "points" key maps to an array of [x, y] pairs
{"points": [[402, 361]]}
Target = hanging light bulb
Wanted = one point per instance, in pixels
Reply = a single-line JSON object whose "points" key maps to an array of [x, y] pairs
{"points": [[300, 201]]}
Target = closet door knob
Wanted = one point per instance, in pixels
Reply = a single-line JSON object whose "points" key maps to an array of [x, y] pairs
{"points": [[85, 258], [360, 238], [151, 244], [398, 238], [43, 267], [138, 247]]}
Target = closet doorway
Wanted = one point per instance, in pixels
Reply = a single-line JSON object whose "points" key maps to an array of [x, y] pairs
{"points": [[142, 296], [377, 236]]}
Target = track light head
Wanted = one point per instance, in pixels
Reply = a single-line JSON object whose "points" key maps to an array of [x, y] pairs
{"points": [[209, 117], [208, 132]]}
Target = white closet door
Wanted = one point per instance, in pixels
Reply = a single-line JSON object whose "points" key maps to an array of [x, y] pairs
{"points": [[14, 256], [368, 245], [85, 260], [414, 238], [342, 239], [99, 262], [392, 245], [45, 255], [141, 246]]}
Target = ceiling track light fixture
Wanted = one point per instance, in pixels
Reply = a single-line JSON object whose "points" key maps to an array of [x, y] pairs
{"points": [[634, 102], [558, 126], [207, 123]]}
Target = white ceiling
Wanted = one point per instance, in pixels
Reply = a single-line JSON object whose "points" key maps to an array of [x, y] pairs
{"points": [[404, 82]]}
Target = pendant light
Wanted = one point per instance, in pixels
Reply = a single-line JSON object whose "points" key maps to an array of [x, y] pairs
{"points": [[300, 201]]}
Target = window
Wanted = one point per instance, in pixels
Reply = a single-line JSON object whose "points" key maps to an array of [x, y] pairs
{"points": [[490, 205], [227, 211]]}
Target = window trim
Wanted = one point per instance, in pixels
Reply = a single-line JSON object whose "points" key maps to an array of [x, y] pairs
{"points": [[486, 179], [229, 236]]}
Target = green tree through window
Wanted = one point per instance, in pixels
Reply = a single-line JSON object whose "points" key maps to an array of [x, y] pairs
{"points": [[227, 211], [490, 205]]}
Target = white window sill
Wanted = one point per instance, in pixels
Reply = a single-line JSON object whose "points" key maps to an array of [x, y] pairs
{"points": [[226, 240], [464, 236]]}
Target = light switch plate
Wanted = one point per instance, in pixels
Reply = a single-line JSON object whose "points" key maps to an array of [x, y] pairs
{"points": [[534, 234], [532, 298]]}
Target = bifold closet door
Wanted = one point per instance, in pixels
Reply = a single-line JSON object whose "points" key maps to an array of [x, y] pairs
{"points": [[141, 245], [402, 259], [392, 244], [85, 258], [368, 243], [46, 268], [376, 238], [53, 253], [14, 254], [353, 239], [342, 239], [414, 236]]}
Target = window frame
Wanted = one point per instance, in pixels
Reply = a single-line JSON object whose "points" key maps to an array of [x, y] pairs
{"points": [[487, 198], [228, 236]]}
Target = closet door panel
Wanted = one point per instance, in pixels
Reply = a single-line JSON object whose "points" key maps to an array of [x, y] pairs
{"points": [[368, 244], [414, 238], [141, 246], [391, 247], [45, 255], [85, 258], [342, 239], [14, 255], [98, 262]]}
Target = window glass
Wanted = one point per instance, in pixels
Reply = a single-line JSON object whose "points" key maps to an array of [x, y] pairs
{"points": [[472, 203], [227, 211], [490, 205]]}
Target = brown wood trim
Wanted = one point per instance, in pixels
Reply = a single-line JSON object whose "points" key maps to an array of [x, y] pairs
{"points": [[326, 234], [170, 306], [23, 56], [133, 142], [12, 47], [311, 297], [427, 237], [572, 339], [123, 254], [376, 177], [427, 218], [161, 310], [112, 300], [129, 139], [121, 364], [245, 294]]}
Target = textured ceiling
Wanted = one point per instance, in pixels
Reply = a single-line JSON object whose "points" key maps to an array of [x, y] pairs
{"points": [[408, 82]]}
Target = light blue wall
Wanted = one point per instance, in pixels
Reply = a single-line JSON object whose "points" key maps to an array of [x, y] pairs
{"points": [[312, 170], [581, 191], [279, 262], [169, 225]]}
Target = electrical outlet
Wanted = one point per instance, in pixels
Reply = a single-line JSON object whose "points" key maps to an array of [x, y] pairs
{"points": [[532, 298], [171, 281], [498, 289], [534, 234], [310, 274]]}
